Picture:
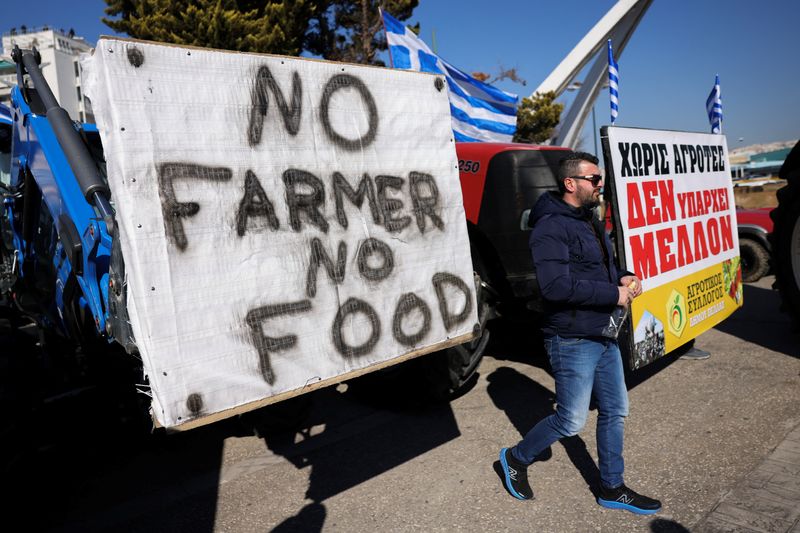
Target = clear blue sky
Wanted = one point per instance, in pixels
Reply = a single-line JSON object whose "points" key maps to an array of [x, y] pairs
{"points": [[666, 71]]}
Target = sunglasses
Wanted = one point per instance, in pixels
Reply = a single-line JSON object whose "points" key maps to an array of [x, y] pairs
{"points": [[594, 178]]}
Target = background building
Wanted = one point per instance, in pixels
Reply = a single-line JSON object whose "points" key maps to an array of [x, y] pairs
{"points": [[759, 160], [60, 66], [755, 173]]}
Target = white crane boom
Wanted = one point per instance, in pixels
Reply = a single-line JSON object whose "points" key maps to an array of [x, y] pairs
{"points": [[618, 24]]}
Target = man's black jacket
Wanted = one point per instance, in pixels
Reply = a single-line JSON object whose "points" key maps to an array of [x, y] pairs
{"points": [[577, 279]]}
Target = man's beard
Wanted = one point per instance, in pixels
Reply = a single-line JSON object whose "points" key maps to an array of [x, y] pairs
{"points": [[588, 200]]}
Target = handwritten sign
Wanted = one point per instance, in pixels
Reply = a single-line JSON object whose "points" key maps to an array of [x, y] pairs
{"points": [[677, 223], [283, 221]]}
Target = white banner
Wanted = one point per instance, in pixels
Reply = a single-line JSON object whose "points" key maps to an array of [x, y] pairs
{"points": [[677, 228], [676, 203], [283, 221]]}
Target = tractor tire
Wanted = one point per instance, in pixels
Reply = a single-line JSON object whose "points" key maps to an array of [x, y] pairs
{"points": [[755, 259], [785, 236], [448, 373], [436, 377]]}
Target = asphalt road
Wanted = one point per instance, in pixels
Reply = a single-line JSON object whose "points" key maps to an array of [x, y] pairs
{"points": [[696, 428]]}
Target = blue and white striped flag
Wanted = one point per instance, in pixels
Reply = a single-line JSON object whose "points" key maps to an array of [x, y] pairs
{"points": [[714, 107], [613, 84], [479, 111]]}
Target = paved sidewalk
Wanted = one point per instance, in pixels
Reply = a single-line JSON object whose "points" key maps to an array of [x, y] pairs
{"points": [[767, 500]]}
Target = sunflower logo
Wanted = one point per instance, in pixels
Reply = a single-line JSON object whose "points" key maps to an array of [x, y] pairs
{"points": [[676, 313]]}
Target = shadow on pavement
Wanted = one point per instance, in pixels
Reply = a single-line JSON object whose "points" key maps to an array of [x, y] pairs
{"points": [[81, 458], [74, 450], [358, 443], [526, 402], [523, 343], [634, 378], [761, 322], [517, 341], [310, 518], [662, 525]]}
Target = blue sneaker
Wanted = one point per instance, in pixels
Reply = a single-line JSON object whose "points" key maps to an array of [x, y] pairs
{"points": [[624, 498], [515, 475]]}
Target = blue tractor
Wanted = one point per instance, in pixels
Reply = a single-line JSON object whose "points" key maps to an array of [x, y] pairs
{"points": [[63, 319], [59, 262]]}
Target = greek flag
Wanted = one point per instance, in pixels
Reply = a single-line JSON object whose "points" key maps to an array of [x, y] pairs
{"points": [[714, 107], [480, 112], [613, 84]]}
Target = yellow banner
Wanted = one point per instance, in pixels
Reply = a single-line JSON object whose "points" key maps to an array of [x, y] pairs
{"points": [[666, 317], [675, 227]]}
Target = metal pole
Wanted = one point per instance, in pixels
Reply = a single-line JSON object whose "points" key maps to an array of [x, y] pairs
{"points": [[594, 130], [95, 190]]}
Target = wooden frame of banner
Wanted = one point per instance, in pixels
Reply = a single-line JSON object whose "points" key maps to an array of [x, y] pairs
{"points": [[626, 338], [227, 413], [308, 387], [626, 334]]}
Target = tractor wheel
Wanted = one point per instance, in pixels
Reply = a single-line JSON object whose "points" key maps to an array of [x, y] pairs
{"points": [[755, 260], [448, 371], [438, 376], [785, 236]]}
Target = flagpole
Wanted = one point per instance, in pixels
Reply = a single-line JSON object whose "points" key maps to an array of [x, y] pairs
{"points": [[613, 84], [385, 33]]}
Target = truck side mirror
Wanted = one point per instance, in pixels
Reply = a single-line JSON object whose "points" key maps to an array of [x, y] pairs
{"points": [[523, 220]]}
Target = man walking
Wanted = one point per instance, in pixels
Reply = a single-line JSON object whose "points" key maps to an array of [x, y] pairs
{"points": [[581, 288]]}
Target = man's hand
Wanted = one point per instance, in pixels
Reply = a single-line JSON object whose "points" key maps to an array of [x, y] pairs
{"points": [[634, 283], [625, 296]]}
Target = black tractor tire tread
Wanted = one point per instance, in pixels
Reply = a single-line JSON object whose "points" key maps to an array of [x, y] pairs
{"points": [[756, 257], [463, 360], [439, 376], [785, 217]]}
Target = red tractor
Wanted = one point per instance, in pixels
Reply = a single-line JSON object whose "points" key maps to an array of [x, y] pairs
{"points": [[500, 183]]}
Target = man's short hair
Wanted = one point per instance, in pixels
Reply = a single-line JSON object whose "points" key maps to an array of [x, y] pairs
{"points": [[569, 165]]}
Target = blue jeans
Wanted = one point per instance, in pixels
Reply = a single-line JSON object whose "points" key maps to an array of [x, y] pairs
{"points": [[581, 366]]}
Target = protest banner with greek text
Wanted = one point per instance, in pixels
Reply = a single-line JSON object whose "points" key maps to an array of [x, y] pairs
{"points": [[676, 229]]}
